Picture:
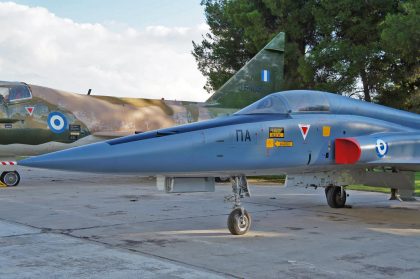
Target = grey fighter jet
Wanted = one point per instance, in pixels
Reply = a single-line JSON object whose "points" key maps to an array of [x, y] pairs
{"points": [[316, 138]]}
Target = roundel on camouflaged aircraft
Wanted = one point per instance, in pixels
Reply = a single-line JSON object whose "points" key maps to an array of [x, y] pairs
{"points": [[57, 122]]}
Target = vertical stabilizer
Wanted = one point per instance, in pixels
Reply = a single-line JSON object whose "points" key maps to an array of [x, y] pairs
{"points": [[262, 75]]}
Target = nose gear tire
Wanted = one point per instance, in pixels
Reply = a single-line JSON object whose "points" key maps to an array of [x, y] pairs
{"points": [[238, 223]]}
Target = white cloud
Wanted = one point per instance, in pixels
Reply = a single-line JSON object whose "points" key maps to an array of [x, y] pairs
{"points": [[40, 48]]}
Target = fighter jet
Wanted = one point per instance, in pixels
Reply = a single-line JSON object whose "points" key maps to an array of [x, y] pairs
{"points": [[36, 120], [317, 139]]}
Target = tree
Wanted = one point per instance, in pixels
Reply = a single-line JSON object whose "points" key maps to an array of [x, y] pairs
{"points": [[400, 38], [239, 29], [348, 56], [367, 48], [223, 51]]}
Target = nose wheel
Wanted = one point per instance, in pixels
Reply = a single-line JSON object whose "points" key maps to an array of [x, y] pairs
{"points": [[239, 220], [10, 178]]}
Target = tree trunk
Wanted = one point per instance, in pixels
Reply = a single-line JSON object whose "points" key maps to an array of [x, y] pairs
{"points": [[365, 83]]}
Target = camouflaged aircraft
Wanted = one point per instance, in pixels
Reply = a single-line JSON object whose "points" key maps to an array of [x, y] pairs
{"points": [[36, 120], [317, 139]]}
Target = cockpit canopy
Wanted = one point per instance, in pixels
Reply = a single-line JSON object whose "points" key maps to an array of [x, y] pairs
{"points": [[296, 101], [11, 92]]}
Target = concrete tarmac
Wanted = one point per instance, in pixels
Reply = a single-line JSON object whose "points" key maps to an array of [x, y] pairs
{"points": [[72, 225]]}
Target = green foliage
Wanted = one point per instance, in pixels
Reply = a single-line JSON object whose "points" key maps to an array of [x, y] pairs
{"points": [[369, 48], [348, 56], [223, 51], [239, 29], [400, 38], [384, 189]]}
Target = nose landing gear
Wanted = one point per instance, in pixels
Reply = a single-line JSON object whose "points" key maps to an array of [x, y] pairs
{"points": [[239, 220]]}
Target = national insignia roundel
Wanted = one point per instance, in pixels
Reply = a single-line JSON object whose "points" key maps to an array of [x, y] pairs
{"points": [[381, 147], [57, 122]]}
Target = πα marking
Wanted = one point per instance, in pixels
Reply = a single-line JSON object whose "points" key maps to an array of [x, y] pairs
{"points": [[243, 137]]}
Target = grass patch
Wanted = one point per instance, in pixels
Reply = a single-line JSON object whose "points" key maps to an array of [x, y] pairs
{"points": [[360, 187], [279, 179], [383, 189]]}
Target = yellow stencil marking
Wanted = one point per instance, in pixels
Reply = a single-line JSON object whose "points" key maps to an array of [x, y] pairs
{"points": [[284, 143], [326, 131], [269, 143], [276, 132]]}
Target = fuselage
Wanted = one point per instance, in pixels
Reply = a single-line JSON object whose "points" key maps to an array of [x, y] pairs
{"points": [[264, 138], [36, 120]]}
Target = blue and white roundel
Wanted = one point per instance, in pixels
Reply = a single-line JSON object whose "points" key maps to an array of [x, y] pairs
{"points": [[381, 147], [57, 122]]}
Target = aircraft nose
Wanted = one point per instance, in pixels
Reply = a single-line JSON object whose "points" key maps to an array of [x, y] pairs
{"points": [[75, 159]]}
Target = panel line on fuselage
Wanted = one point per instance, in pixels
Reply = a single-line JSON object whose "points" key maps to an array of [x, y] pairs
{"points": [[228, 121]]}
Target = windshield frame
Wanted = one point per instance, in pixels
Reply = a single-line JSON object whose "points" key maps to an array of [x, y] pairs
{"points": [[276, 100], [16, 100], [290, 102]]}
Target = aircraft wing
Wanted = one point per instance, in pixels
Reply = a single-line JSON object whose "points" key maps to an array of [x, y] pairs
{"points": [[400, 150], [9, 120], [111, 134]]}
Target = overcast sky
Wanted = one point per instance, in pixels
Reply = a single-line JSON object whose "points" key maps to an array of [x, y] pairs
{"points": [[132, 48]]}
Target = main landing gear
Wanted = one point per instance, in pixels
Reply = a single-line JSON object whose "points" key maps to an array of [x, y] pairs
{"points": [[239, 220], [336, 196], [10, 178]]}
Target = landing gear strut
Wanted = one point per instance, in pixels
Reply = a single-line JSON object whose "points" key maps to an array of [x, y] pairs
{"points": [[336, 196], [239, 220], [10, 178]]}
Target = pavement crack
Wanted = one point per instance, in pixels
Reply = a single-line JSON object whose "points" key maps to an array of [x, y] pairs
{"points": [[68, 233], [18, 235], [150, 255]]}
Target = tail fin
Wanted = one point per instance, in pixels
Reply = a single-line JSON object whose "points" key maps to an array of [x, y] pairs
{"points": [[262, 75]]}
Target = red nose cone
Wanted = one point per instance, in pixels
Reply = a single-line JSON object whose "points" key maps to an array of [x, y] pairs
{"points": [[347, 151]]}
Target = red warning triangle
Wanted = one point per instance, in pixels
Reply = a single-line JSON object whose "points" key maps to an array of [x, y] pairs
{"points": [[30, 110], [304, 129]]}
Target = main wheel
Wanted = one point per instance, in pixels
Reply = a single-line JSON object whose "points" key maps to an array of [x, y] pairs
{"points": [[239, 224], [334, 197], [221, 179], [10, 178]]}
